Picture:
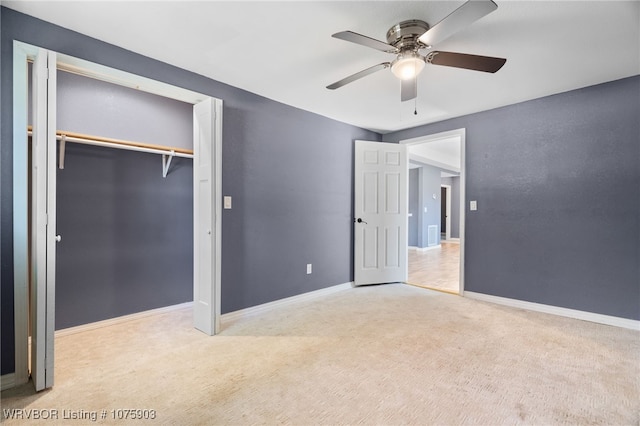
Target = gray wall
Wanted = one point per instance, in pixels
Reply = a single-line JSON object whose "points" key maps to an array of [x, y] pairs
{"points": [[290, 173], [423, 183], [127, 231], [454, 182], [430, 185], [556, 180], [95, 107], [127, 234], [414, 207]]}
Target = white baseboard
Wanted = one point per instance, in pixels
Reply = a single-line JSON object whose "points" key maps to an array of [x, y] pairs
{"points": [[424, 248], [556, 310], [188, 305], [451, 240], [258, 309], [7, 381], [120, 320]]}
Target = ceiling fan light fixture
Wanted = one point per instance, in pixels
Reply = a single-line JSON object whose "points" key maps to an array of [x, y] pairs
{"points": [[407, 66]]}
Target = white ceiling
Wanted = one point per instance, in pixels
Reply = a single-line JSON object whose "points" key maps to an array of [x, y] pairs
{"points": [[444, 153], [284, 50]]}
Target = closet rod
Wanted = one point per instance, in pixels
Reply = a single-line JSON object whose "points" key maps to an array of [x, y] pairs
{"points": [[167, 152], [120, 144]]}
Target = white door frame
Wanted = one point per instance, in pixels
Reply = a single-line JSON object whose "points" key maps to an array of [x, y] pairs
{"points": [[447, 212], [460, 134], [22, 52]]}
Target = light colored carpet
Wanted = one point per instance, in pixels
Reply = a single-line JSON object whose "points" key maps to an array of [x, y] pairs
{"points": [[382, 355]]}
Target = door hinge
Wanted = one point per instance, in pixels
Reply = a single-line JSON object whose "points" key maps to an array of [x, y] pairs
{"points": [[49, 73]]}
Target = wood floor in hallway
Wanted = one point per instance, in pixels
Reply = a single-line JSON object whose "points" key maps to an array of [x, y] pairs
{"points": [[437, 268]]}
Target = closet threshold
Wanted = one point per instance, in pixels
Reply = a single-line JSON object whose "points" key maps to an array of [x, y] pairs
{"points": [[167, 152]]}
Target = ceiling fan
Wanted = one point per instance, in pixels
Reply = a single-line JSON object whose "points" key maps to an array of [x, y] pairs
{"points": [[407, 39]]}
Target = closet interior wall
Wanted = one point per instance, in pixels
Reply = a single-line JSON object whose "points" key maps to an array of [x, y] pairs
{"points": [[127, 232]]}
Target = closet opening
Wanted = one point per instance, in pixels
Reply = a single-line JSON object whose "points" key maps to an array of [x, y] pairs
{"points": [[125, 230], [136, 191]]}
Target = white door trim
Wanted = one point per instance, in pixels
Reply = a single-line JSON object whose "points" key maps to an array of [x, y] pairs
{"points": [[21, 53], [461, 134]]}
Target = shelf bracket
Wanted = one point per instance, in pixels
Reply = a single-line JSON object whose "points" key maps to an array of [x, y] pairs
{"points": [[166, 162], [63, 143]]}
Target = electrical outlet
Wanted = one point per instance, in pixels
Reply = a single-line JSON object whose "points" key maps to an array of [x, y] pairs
{"points": [[308, 268]]}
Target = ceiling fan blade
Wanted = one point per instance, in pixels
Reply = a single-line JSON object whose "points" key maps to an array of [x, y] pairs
{"points": [[365, 41], [464, 60], [359, 75], [408, 89], [457, 20]]}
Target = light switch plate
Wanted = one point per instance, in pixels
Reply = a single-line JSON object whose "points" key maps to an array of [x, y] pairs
{"points": [[308, 268], [473, 205], [227, 202]]}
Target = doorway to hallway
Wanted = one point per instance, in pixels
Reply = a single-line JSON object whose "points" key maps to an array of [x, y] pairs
{"points": [[436, 212]]}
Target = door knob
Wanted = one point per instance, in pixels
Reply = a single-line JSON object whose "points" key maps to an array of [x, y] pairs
{"points": [[359, 220], [58, 238]]}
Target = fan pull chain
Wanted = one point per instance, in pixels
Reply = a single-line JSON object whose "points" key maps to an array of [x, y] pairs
{"points": [[415, 100]]}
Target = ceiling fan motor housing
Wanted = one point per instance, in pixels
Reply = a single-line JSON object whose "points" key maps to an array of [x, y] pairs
{"points": [[404, 36]]}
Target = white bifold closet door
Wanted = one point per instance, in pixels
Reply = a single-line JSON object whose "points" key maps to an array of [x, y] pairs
{"points": [[207, 122], [43, 244]]}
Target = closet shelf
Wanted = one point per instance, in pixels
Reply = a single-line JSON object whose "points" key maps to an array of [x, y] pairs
{"points": [[167, 152]]}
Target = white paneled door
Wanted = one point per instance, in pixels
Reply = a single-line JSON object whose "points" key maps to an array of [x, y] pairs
{"points": [[43, 245], [380, 246]]}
